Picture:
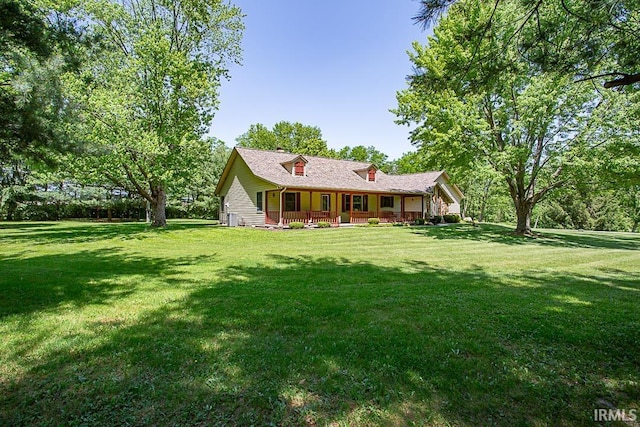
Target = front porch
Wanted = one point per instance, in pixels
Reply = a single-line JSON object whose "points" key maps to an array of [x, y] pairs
{"points": [[310, 207]]}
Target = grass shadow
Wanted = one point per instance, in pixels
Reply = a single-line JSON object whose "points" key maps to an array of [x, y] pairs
{"points": [[74, 232], [328, 341], [32, 284], [504, 235]]}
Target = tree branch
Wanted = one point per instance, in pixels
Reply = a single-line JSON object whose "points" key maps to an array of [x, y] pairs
{"points": [[627, 79]]}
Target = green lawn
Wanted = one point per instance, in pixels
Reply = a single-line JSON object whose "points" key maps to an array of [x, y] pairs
{"points": [[118, 324]]}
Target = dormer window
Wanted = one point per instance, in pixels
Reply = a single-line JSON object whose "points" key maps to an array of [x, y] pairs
{"points": [[296, 166], [368, 173]]}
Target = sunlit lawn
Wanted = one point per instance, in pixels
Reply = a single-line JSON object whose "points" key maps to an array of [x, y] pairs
{"points": [[118, 324]]}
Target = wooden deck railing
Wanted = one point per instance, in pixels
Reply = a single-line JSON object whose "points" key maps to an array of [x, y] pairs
{"points": [[362, 217], [410, 216], [273, 217]]}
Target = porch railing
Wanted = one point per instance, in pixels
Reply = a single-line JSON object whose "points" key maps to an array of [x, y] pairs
{"points": [[385, 216], [273, 217], [362, 217], [410, 216]]}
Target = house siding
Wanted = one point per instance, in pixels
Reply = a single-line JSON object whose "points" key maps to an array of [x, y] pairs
{"points": [[240, 194], [454, 207]]}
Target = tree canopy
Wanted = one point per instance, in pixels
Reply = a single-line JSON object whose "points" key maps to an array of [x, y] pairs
{"points": [[37, 45], [290, 137], [588, 39]]}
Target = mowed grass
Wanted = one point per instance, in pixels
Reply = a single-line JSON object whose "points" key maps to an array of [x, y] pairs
{"points": [[118, 324]]}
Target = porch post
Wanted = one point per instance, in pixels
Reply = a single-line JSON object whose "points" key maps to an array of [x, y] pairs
{"points": [[266, 207], [310, 214], [422, 212], [350, 207], [280, 222], [402, 208]]}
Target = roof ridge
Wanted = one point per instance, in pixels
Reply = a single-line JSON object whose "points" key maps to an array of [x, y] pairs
{"points": [[304, 155]]}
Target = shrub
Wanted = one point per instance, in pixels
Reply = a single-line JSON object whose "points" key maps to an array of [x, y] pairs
{"points": [[296, 225], [451, 218], [323, 224], [436, 219], [374, 221], [419, 221]]}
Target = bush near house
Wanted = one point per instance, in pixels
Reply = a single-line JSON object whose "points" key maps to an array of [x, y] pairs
{"points": [[296, 225], [451, 218], [323, 224], [437, 219], [420, 221], [374, 221]]}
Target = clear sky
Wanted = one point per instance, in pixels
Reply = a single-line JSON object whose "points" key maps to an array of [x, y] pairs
{"points": [[334, 64]]}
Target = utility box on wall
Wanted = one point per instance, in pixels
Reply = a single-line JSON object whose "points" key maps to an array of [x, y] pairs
{"points": [[232, 219]]}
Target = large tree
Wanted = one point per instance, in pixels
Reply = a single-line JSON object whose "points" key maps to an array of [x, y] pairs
{"points": [[150, 94], [528, 125], [589, 39]]}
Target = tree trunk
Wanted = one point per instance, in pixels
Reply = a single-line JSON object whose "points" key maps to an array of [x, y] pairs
{"points": [[12, 207], [523, 216], [158, 206]]}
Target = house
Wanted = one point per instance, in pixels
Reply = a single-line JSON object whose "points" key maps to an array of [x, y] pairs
{"points": [[261, 188]]}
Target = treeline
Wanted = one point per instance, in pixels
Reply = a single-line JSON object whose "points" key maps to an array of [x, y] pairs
{"points": [[36, 191], [593, 201]]}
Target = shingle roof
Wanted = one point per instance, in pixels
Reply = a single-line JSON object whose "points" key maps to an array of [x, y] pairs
{"points": [[332, 174]]}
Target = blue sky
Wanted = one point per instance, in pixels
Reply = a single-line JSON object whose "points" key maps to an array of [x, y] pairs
{"points": [[334, 64]]}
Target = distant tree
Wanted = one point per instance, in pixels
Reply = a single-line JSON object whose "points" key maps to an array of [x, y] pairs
{"points": [[290, 137], [150, 95], [528, 125], [590, 39], [199, 194], [369, 154]]}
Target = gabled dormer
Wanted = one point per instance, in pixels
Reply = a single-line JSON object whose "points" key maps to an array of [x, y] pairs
{"points": [[297, 166], [369, 173]]}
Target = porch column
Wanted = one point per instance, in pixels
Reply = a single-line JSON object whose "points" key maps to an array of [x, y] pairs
{"points": [[280, 222], [350, 207], [422, 212], [402, 208], [310, 213]]}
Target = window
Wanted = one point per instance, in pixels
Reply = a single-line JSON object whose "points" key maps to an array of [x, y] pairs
{"points": [[360, 203], [372, 175], [386, 201], [259, 201], [326, 202], [291, 202], [299, 169]]}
